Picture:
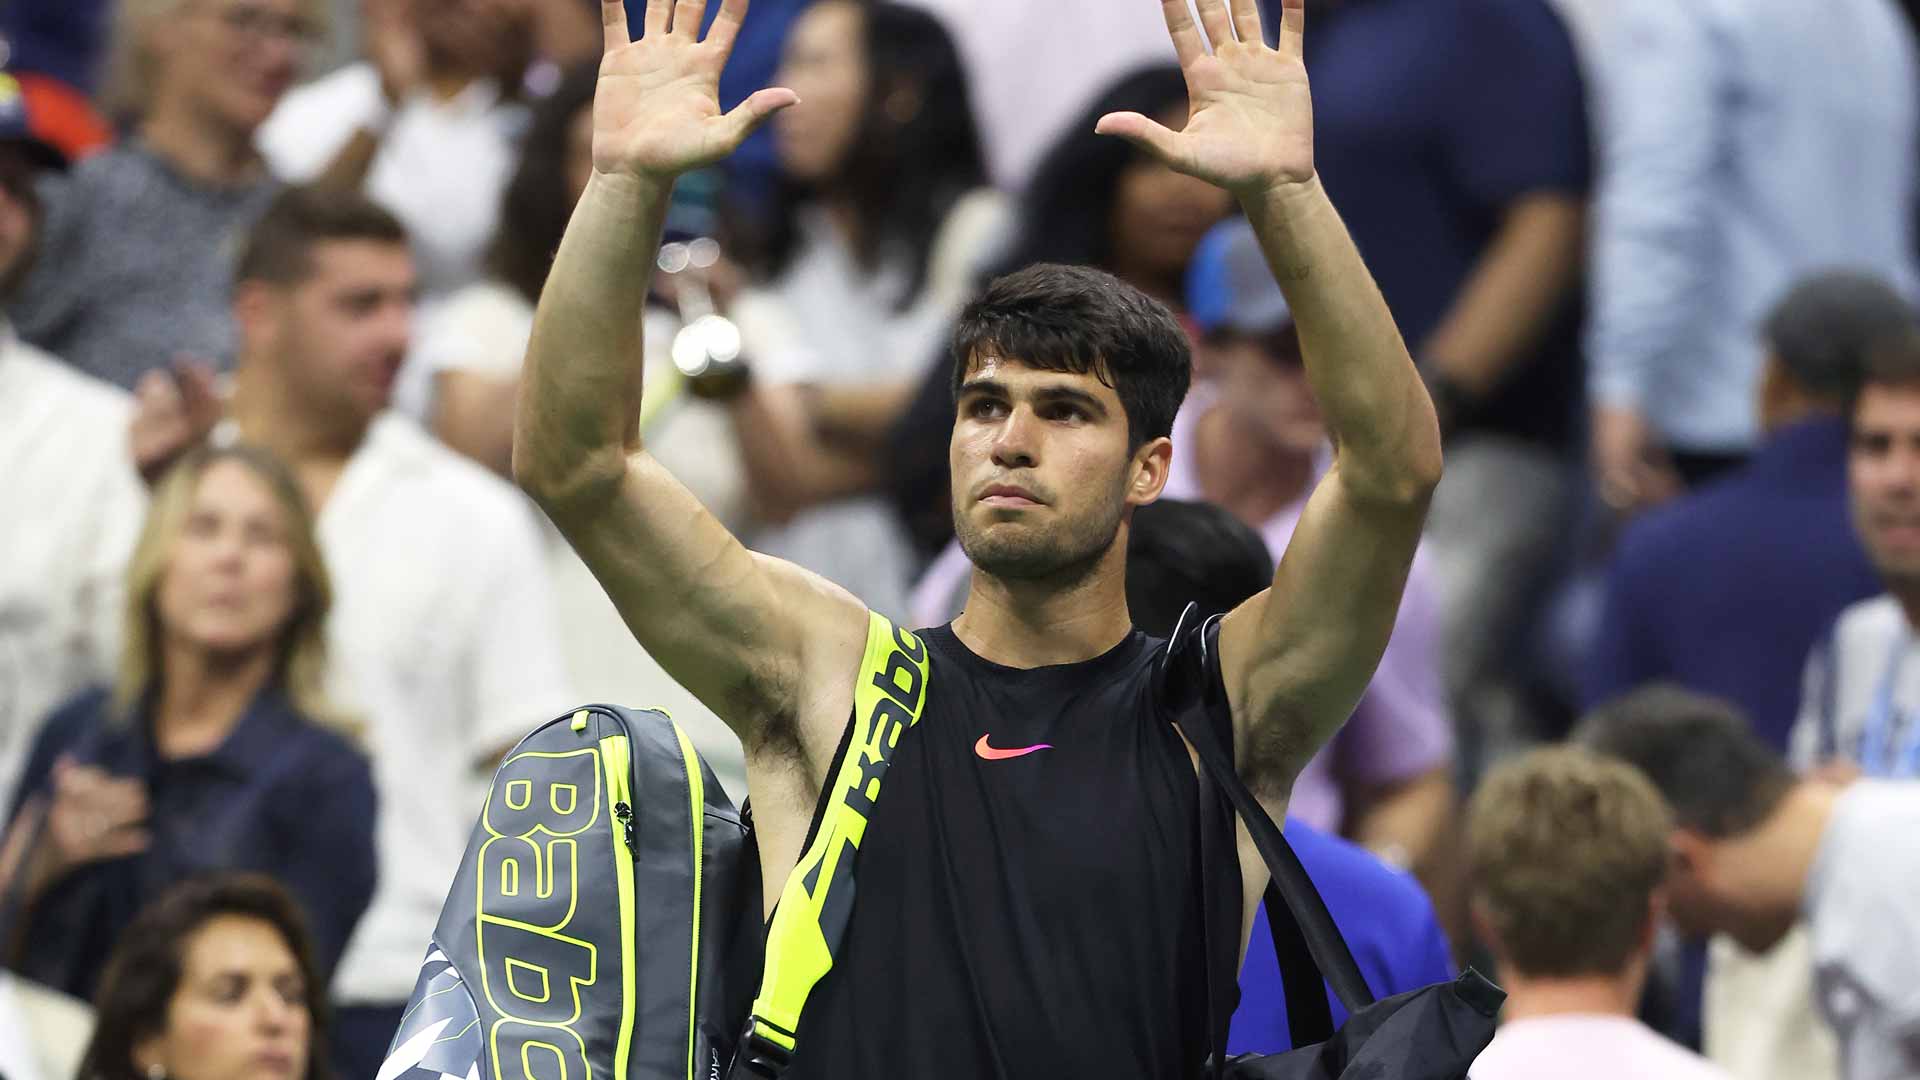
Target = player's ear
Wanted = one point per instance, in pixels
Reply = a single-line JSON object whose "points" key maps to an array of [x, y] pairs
{"points": [[1147, 476]]}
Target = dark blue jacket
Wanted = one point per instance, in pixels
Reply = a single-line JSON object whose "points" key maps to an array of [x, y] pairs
{"points": [[1726, 591], [280, 796]]}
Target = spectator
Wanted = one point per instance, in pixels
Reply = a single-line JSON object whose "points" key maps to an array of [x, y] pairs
{"points": [[1180, 552], [1095, 201], [63, 439], [473, 346], [212, 750], [1681, 601], [1755, 847], [1567, 853], [1251, 439], [214, 980], [136, 258], [443, 634], [1862, 696], [1729, 139], [427, 125], [880, 222]]}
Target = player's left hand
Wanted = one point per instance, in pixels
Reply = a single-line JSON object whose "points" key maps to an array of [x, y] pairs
{"points": [[1250, 124]]}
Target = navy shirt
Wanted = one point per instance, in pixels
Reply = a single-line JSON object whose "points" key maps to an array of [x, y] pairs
{"points": [[1383, 914], [1726, 591], [1431, 118], [280, 796]]}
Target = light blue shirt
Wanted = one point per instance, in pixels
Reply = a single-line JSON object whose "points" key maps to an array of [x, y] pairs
{"points": [[1747, 143]]}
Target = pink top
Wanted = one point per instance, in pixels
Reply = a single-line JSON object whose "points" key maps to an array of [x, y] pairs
{"points": [[1588, 1046]]}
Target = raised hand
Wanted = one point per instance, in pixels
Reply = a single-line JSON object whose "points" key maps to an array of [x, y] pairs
{"points": [[1250, 123], [656, 112]]}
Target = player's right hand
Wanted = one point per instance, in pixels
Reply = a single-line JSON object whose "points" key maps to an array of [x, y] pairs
{"points": [[656, 112]]}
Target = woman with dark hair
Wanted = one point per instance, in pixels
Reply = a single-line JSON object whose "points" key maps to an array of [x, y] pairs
{"points": [[216, 749], [881, 219], [1094, 201], [214, 980]]}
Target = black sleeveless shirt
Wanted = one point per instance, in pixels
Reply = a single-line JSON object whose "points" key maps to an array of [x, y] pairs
{"points": [[1028, 903]]}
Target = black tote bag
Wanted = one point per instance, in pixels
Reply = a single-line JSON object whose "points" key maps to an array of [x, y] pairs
{"points": [[1433, 1033]]}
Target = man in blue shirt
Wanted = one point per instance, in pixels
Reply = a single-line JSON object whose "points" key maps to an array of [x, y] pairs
{"points": [[1452, 137], [1725, 592]]}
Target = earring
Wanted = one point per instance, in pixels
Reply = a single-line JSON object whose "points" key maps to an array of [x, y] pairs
{"points": [[156, 1071]]}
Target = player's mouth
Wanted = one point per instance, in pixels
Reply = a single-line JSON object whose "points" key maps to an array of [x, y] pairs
{"points": [[1009, 495]]}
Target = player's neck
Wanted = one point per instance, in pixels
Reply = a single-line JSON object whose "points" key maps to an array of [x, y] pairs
{"points": [[1029, 624]]}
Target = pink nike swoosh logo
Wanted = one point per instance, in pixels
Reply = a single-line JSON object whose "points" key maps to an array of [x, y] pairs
{"points": [[992, 754]]}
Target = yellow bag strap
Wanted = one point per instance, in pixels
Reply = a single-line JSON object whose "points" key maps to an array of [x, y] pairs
{"points": [[811, 918]]}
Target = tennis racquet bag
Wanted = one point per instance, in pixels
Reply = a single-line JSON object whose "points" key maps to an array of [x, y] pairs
{"points": [[605, 922]]}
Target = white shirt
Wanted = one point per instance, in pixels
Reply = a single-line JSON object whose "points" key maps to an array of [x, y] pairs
{"points": [[441, 167], [443, 640], [1862, 904], [1860, 696], [1588, 1046], [71, 507]]}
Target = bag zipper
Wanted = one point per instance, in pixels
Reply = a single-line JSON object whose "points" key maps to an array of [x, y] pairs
{"points": [[615, 761], [697, 805]]}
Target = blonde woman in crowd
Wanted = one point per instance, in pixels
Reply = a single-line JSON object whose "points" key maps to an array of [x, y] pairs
{"points": [[137, 251], [215, 749]]}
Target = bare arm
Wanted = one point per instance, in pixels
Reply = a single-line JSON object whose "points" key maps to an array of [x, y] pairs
{"points": [[757, 640], [1297, 656], [1513, 294]]}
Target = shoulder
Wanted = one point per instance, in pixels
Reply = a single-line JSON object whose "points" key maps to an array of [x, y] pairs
{"points": [[451, 482], [76, 722], [1867, 625], [328, 758], [38, 377], [1673, 534]]}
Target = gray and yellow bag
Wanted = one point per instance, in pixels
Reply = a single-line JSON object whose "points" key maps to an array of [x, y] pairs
{"points": [[605, 921]]}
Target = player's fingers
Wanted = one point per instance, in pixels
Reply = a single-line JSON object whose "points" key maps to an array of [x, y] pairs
{"points": [[1246, 22], [1149, 135], [1187, 43], [1293, 27], [756, 110], [687, 17], [1219, 24], [654, 22], [726, 25], [613, 13]]}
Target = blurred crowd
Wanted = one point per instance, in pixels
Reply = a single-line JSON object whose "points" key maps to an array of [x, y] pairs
{"points": [[1645, 742]]}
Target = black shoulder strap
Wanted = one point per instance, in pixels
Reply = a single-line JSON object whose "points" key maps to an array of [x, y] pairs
{"points": [[1306, 941]]}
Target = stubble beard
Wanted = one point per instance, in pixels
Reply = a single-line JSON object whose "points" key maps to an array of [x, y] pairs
{"points": [[1063, 553]]}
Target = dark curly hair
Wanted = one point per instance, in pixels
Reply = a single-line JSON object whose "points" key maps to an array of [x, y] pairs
{"points": [[144, 971]]}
